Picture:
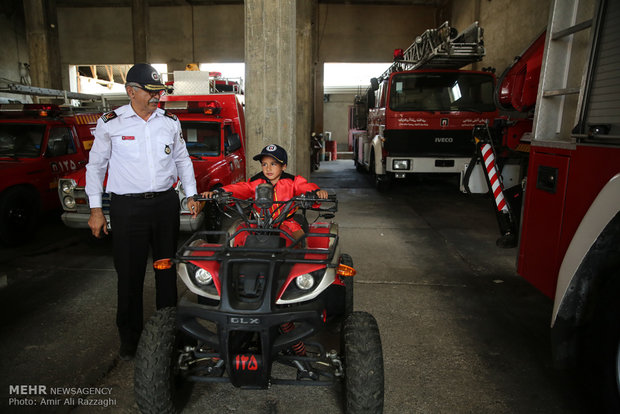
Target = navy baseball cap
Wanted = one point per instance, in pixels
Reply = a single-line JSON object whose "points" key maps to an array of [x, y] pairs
{"points": [[275, 151], [146, 76]]}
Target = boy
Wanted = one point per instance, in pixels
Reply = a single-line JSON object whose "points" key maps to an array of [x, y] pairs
{"points": [[273, 159]]}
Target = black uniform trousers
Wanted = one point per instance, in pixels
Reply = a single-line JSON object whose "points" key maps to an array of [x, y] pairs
{"points": [[137, 224]]}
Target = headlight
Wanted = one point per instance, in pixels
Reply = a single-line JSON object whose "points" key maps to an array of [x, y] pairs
{"points": [[305, 281], [400, 164], [184, 204], [68, 201], [203, 277], [67, 186]]}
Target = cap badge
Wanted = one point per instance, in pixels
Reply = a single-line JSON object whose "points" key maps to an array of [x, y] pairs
{"points": [[155, 76], [271, 148]]}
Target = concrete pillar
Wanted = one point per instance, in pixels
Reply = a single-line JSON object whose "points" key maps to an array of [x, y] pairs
{"points": [[42, 38], [318, 96], [272, 75], [306, 12], [140, 27]]}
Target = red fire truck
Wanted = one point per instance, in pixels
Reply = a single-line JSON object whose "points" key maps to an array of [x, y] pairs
{"points": [[569, 235], [213, 126], [38, 144], [418, 116]]}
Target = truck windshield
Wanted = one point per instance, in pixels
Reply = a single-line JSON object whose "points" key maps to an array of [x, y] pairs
{"points": [[202, 138], [21, 140], [442, 92]]}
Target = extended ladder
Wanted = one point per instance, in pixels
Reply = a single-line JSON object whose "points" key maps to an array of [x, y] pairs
{"points": [[441, 48]]}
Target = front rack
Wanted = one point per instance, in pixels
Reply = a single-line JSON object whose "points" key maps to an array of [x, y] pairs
{"points": [[290, 254]]}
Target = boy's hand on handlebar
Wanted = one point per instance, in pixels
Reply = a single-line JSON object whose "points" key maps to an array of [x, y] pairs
{"points": [[207, 194], [322, 194]]}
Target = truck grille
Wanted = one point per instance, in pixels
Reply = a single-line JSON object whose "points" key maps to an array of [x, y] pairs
{"points": [[431, 143]]}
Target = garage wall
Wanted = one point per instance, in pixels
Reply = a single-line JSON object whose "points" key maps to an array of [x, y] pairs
{"points": [[509, 26], [13, 49], [336, 118]]}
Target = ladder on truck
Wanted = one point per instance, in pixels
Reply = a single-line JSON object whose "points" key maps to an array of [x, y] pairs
{"points": [[556, 111], [441, 48]]}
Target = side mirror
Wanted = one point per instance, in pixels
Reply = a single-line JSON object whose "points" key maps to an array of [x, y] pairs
{"points": [[374, 83], [370, 98], [233, 143]]}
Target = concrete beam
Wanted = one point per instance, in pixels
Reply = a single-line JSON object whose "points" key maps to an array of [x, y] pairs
{"points": [[140, 27]]}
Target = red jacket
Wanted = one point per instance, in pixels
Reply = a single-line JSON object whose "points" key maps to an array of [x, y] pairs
{"points": [[287, 187]]}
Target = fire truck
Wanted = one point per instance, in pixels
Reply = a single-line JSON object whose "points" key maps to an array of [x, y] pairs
{"points": [[213, 126], [418, 116], [569, 224], [39, 143]]}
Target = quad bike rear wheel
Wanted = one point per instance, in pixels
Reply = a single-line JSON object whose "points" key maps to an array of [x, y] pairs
{"points": [[363, 364], [158, 387]]}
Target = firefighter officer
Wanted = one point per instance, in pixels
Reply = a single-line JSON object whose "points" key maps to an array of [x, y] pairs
{"points": [[142, 149]]}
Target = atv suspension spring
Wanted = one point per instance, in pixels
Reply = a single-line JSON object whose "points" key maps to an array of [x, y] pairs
{"points": [[299, 347]]}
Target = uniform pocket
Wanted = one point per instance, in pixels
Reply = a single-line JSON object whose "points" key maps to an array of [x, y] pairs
{"points": [[126, 147]]}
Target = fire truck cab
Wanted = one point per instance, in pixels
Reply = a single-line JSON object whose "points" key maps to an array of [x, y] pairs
{"points": [[213, 127], [39, 143], [420, 113]]}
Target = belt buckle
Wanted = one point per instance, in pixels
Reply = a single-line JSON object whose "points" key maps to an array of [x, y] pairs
{"points": [[149, 195]]}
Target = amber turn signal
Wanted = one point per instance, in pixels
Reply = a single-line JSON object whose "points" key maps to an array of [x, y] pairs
{"points": [[344, 270], [163, 264]]}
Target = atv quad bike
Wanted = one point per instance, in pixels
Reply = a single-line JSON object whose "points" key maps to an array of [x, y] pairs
{"points": [[262, 298]]}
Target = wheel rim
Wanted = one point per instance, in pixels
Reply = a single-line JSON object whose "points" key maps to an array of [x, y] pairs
{"points": [[618, 367]]}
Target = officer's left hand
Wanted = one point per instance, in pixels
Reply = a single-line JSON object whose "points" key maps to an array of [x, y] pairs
{"points": [[193, 207]]}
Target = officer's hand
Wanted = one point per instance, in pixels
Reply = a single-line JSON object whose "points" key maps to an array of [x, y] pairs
{"points": [[194, 207], [207, 194], [97, 222]]}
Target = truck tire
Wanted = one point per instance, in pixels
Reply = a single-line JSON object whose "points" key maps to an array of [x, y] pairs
{"points": [[602, 349], [345, 259], [363, 364], [19, 210], [158, 386], [382, 182]]}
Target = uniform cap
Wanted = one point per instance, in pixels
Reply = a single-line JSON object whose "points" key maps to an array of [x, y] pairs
{"points": [[275, 151], [146, 76]]}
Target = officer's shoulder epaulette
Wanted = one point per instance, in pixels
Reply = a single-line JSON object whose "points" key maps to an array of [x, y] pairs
{"points": [[108, 116], [171, 115]]}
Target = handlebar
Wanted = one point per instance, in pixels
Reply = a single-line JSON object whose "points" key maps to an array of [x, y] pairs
{"points": [[262, 214]]}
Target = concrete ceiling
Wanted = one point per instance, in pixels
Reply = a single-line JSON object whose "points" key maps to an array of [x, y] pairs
{"points": [[127, 3]]}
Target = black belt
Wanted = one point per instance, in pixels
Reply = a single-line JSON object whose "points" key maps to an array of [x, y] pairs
{"points": [[146, 195]]}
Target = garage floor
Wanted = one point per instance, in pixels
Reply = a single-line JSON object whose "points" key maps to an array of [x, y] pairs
{"points": [[461, 331]]}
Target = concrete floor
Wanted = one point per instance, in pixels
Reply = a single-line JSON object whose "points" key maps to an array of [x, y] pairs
{"points": [[461, 331]]}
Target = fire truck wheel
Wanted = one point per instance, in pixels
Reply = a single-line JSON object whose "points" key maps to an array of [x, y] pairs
{"points": [[19, 210], [602, 349], [158, 385], [345, 259], [363, 364]]}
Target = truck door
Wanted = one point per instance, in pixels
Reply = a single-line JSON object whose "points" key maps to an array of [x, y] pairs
{"points": [[62, 154]]}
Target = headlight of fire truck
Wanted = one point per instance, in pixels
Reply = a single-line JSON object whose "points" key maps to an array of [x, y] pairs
{"points": [[400, 164], [66, 187], [182, 197]]}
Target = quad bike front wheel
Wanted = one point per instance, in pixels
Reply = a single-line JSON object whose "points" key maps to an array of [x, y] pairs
{"points": [[363, 364], [158, 387]]}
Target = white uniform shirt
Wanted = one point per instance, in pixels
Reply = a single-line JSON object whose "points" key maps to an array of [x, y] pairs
{"points": [[140, 156]]}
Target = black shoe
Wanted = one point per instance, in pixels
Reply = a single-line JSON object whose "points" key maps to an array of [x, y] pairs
{"points": [[127, 351]]}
